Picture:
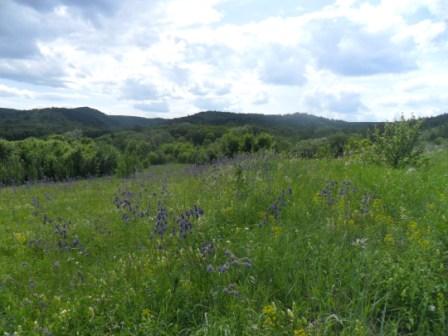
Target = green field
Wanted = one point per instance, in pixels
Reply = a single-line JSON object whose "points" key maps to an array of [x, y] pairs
{"points": [[261, 245]]}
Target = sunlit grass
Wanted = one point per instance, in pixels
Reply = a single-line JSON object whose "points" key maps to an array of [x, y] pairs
{"points": [[284, 247]]}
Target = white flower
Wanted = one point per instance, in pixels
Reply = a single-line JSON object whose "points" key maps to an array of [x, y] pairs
{"points": [[360, 242]]}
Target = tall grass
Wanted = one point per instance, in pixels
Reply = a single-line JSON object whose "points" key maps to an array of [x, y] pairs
{"points": [[280, 247]]}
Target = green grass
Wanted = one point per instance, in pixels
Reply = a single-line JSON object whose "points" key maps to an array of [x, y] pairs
{"points": [[353, 250]]}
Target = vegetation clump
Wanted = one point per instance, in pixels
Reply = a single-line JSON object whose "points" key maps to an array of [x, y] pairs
{"points": [[397, 144]]}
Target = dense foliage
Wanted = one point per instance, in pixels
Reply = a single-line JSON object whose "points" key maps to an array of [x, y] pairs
{"points": [[258, 245], [397, 143], [62, 157], [17, 124], [57, 158], [103, 149]]}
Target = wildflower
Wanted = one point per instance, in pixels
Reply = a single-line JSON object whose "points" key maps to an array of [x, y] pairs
{"points": [[277, 230], [276, 208], [360, 242], [415, 234], [270, 314], [125, 217], [146, 313], [231, 290], [329, 192], [196, 212], [20, 237], [270, 310], [161, 220], [346, 188], [389, 239], [207, 249], [63, 313], [75, 242], [224, 268], [185, 225], [300, 332]]}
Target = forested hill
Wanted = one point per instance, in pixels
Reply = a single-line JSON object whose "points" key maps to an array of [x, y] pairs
{"points": [[300, 125], [20, 124]]}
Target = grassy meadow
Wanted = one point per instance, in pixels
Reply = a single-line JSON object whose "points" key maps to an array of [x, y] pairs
{"points": [[257, 245]]}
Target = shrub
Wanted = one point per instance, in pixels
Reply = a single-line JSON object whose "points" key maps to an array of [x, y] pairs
{"points": [[263, 141], [397, 144]]}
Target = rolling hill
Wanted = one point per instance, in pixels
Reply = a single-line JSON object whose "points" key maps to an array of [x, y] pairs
{"points": [[20, 124]]}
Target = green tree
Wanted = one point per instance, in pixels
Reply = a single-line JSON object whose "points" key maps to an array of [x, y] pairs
{"points": [[263, 141], [230, 144], [248, 143], [397, 144]]}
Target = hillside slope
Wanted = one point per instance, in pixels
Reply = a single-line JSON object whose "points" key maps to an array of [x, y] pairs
{"points": [[19, 124]]}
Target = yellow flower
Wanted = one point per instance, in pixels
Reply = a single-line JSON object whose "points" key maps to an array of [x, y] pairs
{"points": [[270, 310], [277, 230], [413, 227], [300, 332], [20, 237], [416, 235], [389, 239], [146, 313]]}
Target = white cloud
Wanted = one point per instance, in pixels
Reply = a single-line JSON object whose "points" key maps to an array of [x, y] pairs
{"points": [[261, 98], [181, 13], [134, 89], [153, 107], [178, 57], [342, 105], [6, 91], [283, 66]]}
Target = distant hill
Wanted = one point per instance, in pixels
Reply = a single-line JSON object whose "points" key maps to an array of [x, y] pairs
{"points": [[301, 125], [20, 124]]}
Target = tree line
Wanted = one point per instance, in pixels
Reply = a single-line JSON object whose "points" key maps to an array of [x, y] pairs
{"points": [[72, 155]]}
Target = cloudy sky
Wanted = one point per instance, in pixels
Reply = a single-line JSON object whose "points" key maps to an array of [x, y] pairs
{"points": [[347, 59]]}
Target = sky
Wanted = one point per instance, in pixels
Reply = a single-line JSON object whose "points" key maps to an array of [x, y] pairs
{"points": [[346, 59]]}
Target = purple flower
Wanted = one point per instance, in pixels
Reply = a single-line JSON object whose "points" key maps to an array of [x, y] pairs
{"points": [[161, 220]]}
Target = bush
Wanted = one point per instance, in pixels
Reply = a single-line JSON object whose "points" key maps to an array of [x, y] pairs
{"points": [[263, 141], [128, 165], [397, 144], [230, 144]]}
